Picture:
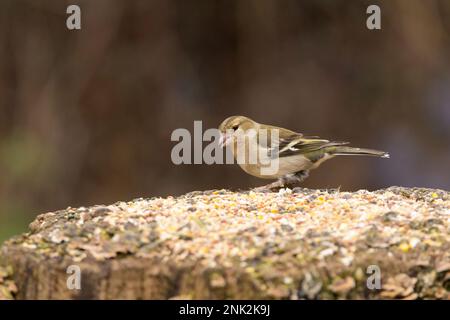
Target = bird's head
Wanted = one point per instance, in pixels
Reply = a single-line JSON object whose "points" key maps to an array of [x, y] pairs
{"points": [[233, 126]]}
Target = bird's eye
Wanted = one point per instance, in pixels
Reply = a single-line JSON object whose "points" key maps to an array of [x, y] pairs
{"points": [[235, 127]]}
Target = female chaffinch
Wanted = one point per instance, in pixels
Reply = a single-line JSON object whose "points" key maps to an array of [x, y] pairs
{"points": [[270, 152]]}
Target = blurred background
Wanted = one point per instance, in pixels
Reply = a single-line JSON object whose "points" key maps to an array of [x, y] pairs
{"points": [[86, 116]]}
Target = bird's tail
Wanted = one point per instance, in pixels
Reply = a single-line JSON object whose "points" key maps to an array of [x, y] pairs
{"points": [[344, 150]]}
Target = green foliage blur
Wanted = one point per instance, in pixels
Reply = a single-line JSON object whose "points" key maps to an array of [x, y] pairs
{"points": [[86, 116]]}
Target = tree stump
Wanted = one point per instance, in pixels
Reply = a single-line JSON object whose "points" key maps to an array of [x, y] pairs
{"points": [[292, 244]]}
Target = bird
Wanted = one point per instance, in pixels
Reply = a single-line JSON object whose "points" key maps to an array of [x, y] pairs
{"points": [[293, 153]]}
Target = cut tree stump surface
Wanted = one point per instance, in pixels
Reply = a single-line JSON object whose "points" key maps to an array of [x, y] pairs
{"points": [[291, 244]]}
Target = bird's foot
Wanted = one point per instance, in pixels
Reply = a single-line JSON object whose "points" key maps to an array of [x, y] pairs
{"points": [[271, 187], [289, 181]]}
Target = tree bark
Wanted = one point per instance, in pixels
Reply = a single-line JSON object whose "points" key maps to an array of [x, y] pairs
{"points": [[294, 244]]}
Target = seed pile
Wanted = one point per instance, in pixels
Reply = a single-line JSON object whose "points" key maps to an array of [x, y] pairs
{"points": [[298, 243]]}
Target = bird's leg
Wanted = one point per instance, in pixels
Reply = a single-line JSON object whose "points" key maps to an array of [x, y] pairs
{"points": [[302, 175], [270, 187], [288, 181], [293, 180]]}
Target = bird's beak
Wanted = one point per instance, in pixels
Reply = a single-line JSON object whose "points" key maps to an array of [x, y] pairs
{"points": [[225, 139]]}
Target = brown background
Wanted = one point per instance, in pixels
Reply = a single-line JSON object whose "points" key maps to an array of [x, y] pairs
{"points": [[86, 116]]}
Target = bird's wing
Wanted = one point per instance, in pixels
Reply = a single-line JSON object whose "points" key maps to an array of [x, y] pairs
{"points": [[298, 144], [270, 137]]}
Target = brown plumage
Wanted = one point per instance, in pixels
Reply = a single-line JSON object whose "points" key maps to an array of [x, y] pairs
{"points": [[291, 153]]}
